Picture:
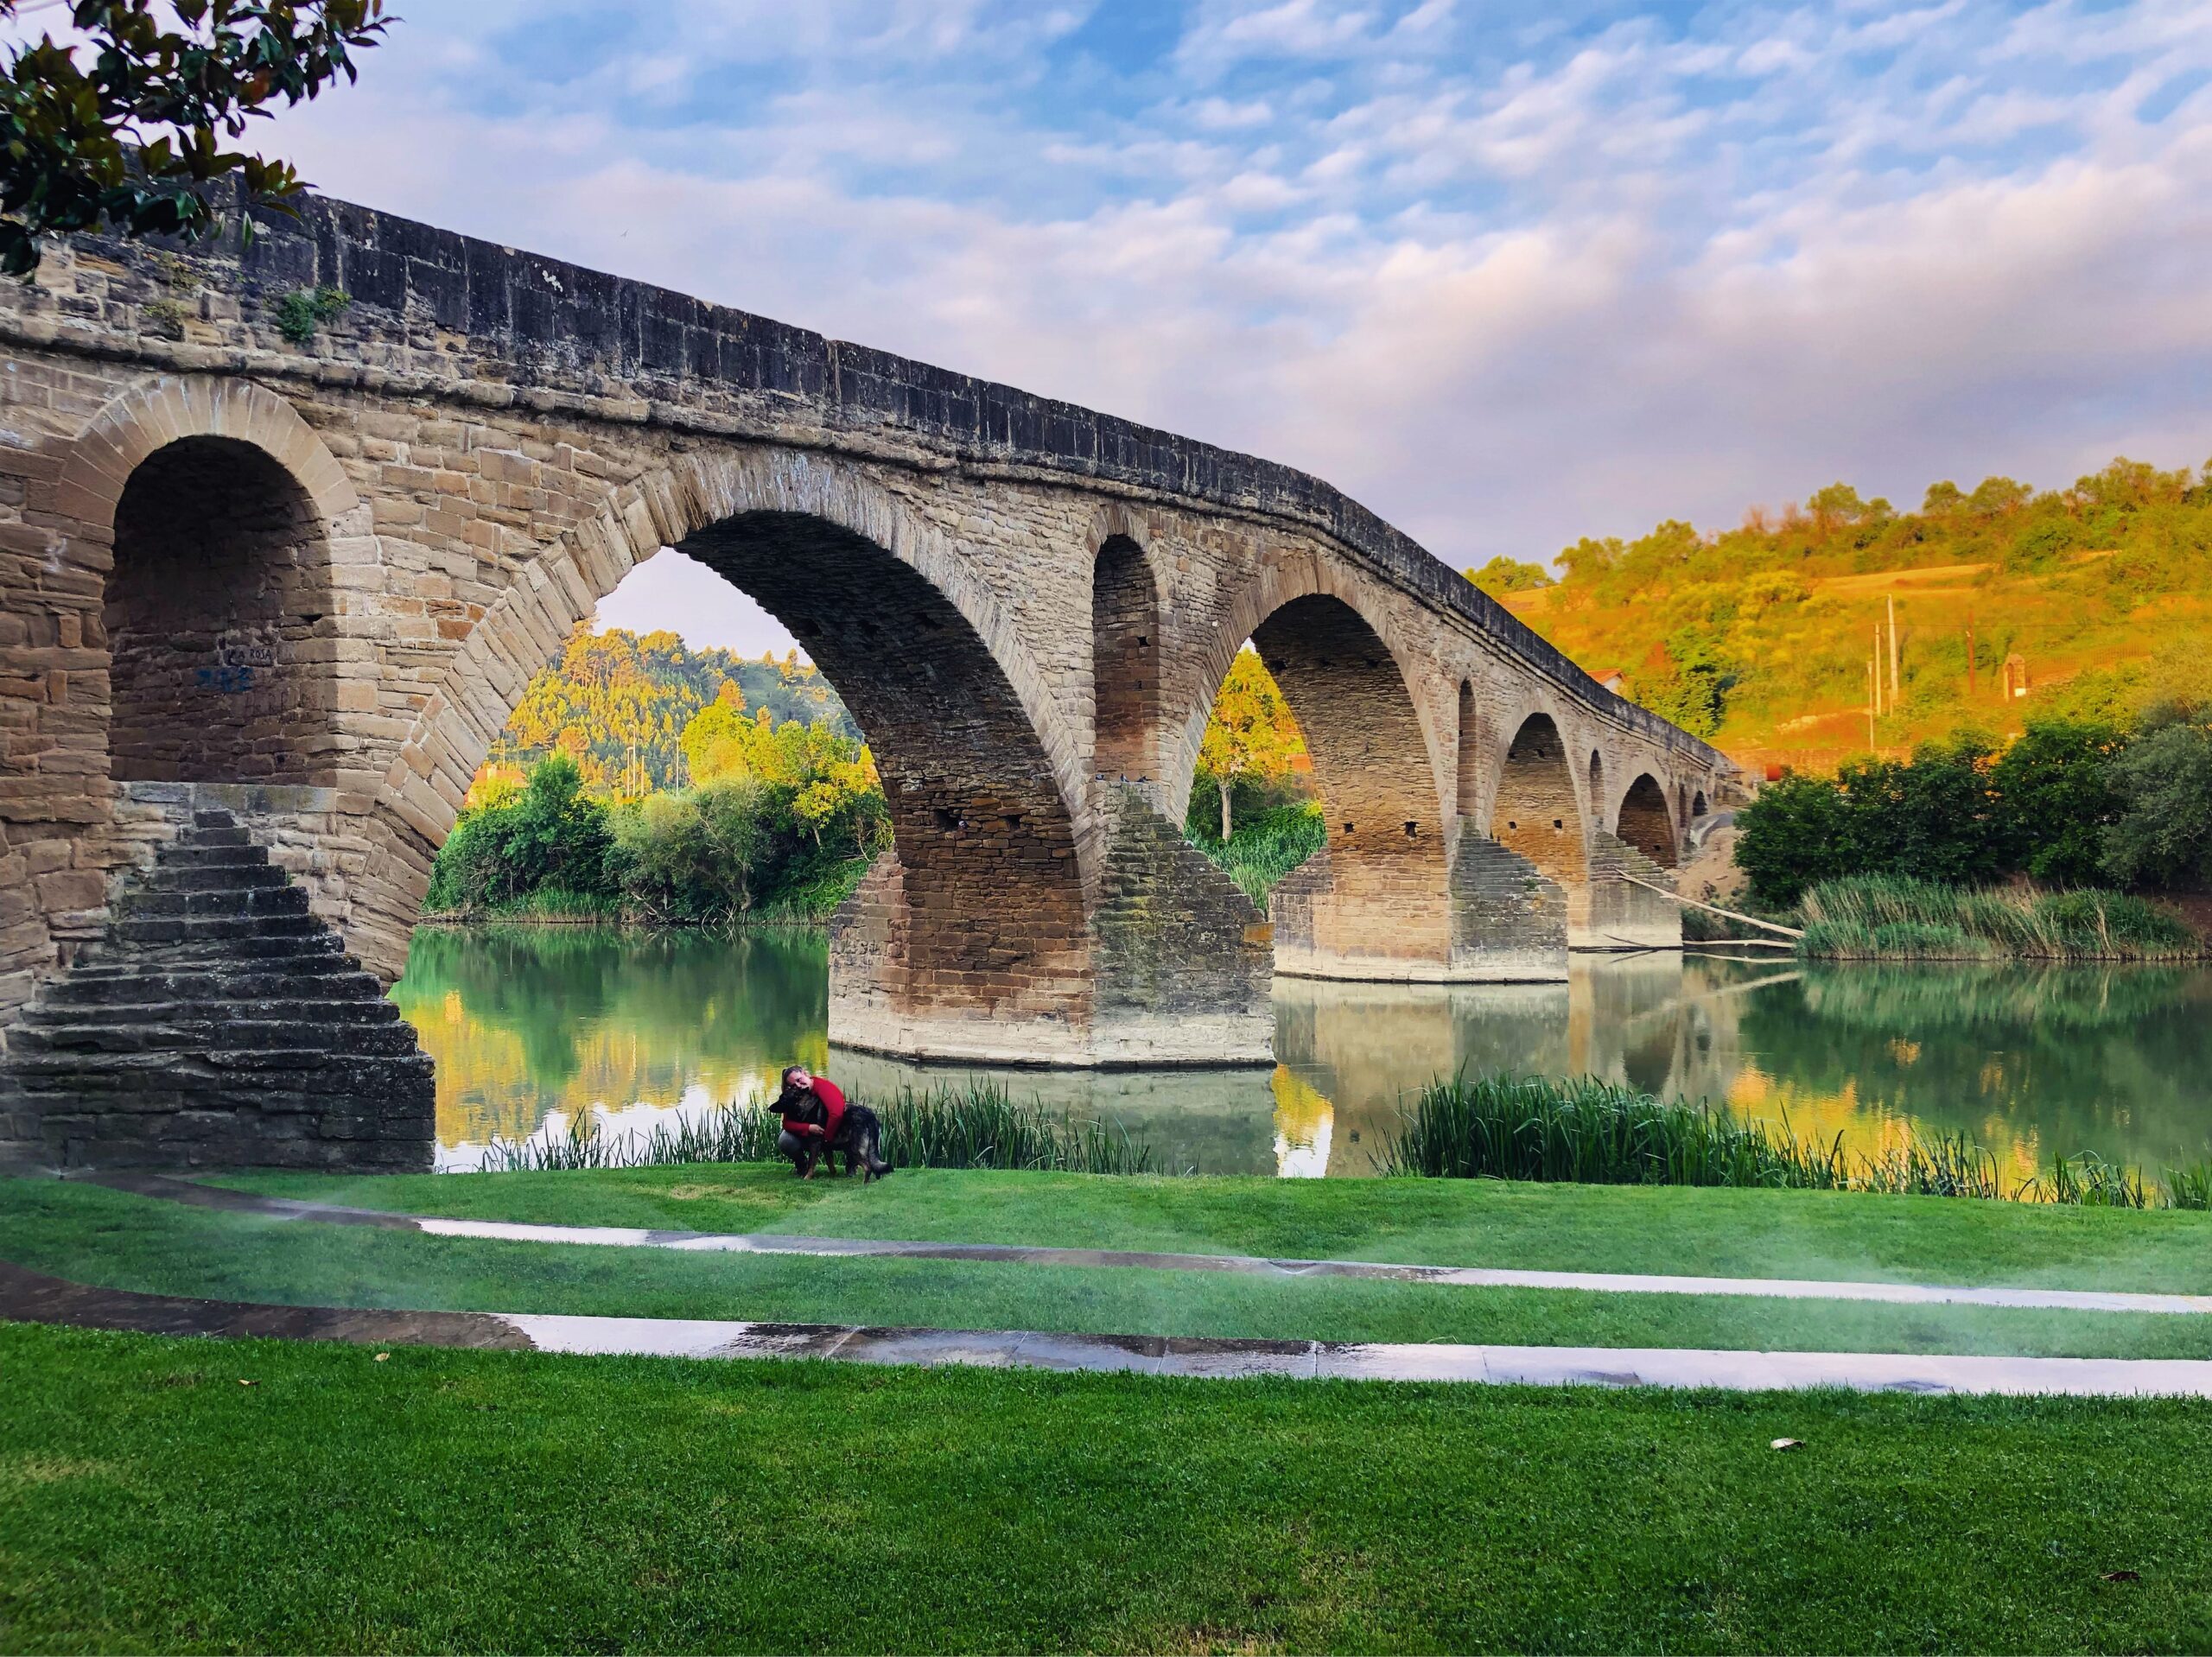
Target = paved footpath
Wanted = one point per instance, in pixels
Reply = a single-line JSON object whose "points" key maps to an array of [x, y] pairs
{"points": [[1913, 1294], [30, 1297]]}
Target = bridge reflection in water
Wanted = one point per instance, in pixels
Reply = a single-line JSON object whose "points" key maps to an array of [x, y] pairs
{"points": [[532, 1026]]}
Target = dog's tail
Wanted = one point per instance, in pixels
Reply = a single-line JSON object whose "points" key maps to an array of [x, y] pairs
{"points": [[871, 1143]]}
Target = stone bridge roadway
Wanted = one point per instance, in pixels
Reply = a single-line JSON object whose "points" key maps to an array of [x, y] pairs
{"points": [[297, 588]]}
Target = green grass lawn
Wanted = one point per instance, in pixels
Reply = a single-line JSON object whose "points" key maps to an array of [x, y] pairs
{"points": [[458, 1501], [1444, 1222], [92, 1234]]}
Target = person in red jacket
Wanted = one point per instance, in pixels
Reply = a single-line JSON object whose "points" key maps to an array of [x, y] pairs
{"points": [[799, 1116], [818, 1122]]}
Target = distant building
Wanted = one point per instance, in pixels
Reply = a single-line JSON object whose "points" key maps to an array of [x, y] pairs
{"points": [[2016, 676], [1610, 679]]}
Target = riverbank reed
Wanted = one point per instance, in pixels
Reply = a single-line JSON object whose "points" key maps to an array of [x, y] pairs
{"points": [[1891, 917], [973, 1124], [1600, 1133]]}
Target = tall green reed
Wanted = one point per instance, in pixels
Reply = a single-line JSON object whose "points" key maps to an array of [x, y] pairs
{"points": [[1894, 918], [971, 1124], [1600, 1133]]}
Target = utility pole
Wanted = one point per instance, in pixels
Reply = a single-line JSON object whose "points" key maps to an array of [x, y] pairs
{"points": [[1969, 654], [1893, 650], [1873, 689], [1876, 669]]}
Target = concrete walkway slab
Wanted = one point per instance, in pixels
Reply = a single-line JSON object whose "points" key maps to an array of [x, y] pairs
{"points": [[30, 1297], [1908, 1294]]}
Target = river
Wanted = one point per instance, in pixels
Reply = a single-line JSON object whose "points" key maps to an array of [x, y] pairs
{"points": [[531, 1025]]}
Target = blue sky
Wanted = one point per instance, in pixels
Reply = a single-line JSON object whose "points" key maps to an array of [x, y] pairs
{"points": [[1508, 274]]}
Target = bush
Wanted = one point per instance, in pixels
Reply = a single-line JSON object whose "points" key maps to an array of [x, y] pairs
{"points": [[2163, 835], [549, 835]]}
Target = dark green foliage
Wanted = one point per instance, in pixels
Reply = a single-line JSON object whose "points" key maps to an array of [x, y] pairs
{"points": [[134, 143], [1959, 814], [2057, 798], [2163, 835], [728, 848], [550, 835], [301, 312]]}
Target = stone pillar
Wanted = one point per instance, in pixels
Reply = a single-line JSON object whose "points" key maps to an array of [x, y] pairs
{"points": [[1509, 923], [1183, 956], [1621, 916]]}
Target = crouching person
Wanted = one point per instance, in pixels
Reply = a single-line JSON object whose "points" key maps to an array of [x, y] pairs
{"points": [[819, 1123]]}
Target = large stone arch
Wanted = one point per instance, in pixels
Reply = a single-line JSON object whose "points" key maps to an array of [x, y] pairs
{"points": [[978, 918]]}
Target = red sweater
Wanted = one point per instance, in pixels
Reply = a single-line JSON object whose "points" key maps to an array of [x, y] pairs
{"points": [[833, 1104]]}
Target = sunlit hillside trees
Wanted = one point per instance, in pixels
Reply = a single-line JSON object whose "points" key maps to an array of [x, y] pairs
{"points": [[1761, 636]]}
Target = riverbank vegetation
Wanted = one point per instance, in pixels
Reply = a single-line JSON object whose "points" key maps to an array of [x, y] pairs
{"points": [[1601, 1132], [1894, 918], [975, 1124], [518, 1502]]}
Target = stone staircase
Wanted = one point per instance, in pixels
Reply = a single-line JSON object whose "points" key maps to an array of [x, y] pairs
{"points": [[218, 1024]]}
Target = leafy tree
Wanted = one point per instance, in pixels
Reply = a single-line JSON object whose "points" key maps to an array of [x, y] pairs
{"points": [[1503, 574], [550, 836], [1251, 735], [1794, 835], [2057, 799], [2163, 836], [135, 139]]}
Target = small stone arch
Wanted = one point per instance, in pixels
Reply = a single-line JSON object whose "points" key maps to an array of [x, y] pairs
{"points": [[209, 507], [1467, 771], [1645, 823], [1597, 795], [1698, 807], [1125, 663], [1536, 813]]}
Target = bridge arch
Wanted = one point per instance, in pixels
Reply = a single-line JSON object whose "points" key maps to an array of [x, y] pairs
{"points": [[1536, 812], [1373, 902], [1645, 823], [978, 914], [208, 509]]}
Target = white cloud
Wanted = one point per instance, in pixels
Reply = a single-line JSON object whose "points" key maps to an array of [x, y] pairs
{"points": [[1508, 282]]}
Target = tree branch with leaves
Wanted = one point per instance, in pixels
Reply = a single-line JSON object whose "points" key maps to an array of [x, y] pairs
{"points": [[136, 140]]}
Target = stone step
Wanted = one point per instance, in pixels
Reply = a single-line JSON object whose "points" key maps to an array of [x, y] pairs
{"points": [[221, 877], [316, 978], [173, 931], [350, 1009], [235, 905], [180, 854], [197, 838]]}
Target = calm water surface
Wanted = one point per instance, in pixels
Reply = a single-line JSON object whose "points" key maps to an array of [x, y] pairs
{"points": [[531, 1026]]}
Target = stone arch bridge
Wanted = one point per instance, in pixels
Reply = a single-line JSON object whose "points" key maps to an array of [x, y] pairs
{"points": [[268, 602]]}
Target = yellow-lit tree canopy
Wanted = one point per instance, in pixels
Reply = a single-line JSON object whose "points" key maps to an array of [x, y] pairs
{"points": [[1251, 735]]}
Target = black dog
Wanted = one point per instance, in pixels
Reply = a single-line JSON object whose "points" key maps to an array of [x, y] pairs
{"points": [[859, 1136]]}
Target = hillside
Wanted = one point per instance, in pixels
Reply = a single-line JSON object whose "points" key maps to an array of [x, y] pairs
{"points": [[617, 701], [1759, 637]]}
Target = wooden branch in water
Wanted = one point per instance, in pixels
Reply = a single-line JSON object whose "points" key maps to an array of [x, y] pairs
{"points": [[1715, 909]]}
